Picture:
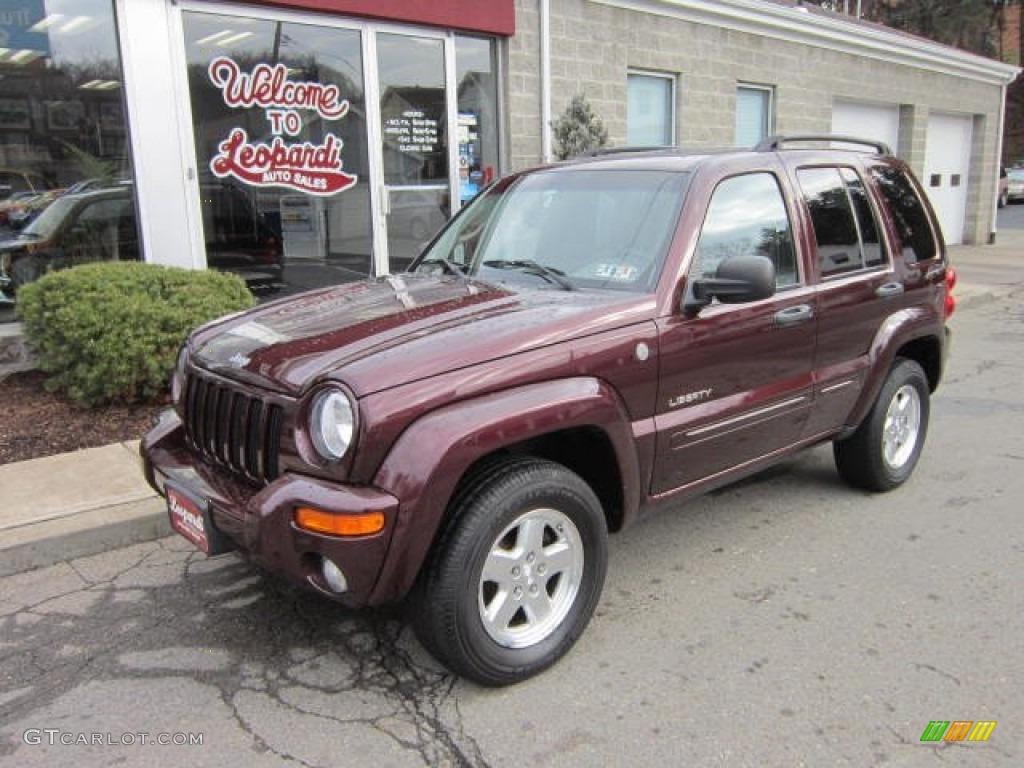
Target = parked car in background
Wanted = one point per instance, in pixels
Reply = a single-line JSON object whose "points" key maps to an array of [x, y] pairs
{"points": [[1015, 185], [101, 226]]}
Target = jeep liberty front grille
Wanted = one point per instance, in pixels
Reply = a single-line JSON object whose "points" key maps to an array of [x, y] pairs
{"points": [[232, 429]]}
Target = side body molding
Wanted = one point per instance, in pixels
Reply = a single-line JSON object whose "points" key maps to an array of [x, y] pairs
{"points": [[426, 463]]}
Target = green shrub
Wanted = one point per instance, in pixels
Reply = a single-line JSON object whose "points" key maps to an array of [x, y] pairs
{"points": [[110, 332]]}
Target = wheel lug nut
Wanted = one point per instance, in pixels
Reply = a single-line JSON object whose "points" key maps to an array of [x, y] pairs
{"points": [[516, 571], [517, 592]]}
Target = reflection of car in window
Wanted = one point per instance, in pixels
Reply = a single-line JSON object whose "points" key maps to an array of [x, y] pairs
{"points": [[73, 229], [101, 226]]}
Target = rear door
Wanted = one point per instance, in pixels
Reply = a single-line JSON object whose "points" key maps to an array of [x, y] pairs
{"points": [[858, 286], [735, 381]]}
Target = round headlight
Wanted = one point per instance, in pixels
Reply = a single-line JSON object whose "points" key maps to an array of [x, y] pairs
{"points": [[178, 377], [332, 424]]}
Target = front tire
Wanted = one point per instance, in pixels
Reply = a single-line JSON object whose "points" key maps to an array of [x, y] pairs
{"points": [[882, 453], [517, 574]]}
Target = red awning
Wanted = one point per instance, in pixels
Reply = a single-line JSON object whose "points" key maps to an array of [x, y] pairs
{"points": [[493, 17]]}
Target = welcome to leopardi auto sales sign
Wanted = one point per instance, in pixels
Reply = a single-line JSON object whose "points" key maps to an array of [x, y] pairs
{"points": [[301, 165]]}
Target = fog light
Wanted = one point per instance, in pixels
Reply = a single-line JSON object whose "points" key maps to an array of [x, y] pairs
{"points": [[334, 577]]}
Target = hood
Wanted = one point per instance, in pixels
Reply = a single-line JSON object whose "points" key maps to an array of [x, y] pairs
{"points": [[380, 333]]}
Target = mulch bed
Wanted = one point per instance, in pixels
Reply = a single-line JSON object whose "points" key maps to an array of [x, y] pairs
{"points": [[35, 423]]}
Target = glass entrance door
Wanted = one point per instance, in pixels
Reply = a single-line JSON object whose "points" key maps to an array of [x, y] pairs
{"points": [[329, 152], [414, 143]]}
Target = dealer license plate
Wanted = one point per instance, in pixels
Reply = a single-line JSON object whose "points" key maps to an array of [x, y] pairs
{"points": [[189, 517]]}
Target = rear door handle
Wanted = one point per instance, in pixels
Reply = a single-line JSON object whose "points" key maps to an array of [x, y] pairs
{"points": [[888, 290], [800, 313]]}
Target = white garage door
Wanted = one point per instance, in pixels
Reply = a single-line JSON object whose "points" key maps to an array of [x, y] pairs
{"points": [[879, 122], [947, 163]]}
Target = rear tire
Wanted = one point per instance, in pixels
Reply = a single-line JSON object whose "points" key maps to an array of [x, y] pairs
{"points": [[882, 453], [517, 574]]}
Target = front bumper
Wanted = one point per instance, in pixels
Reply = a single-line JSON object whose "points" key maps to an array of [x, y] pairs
{"points": [[258, 522]]}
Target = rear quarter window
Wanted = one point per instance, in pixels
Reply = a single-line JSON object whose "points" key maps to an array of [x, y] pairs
{"points": [[913, 227]]}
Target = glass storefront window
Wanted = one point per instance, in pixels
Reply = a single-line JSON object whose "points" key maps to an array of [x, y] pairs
{"points": [[280, 133], [477, 85], [62, 135]]}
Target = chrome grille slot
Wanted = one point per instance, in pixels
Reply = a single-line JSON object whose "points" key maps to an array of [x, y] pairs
{"points": [[232, 429]]}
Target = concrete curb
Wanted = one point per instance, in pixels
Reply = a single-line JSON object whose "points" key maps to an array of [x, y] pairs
{"points": [[88, 532]]}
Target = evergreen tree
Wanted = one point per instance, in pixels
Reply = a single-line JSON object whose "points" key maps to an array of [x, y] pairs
{"points": [[578, 130]]}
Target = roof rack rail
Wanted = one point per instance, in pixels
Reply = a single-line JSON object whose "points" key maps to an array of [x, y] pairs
{"points": [[600, 151], [773, 143]]}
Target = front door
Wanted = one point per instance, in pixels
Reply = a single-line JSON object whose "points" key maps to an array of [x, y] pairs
{"points": [[735, 379]]}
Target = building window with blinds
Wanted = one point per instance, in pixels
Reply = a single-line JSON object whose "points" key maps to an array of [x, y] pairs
{"points": [[650, 109], [755, 118]]}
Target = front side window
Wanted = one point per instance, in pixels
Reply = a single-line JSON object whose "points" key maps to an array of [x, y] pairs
{"points": [[917, 240], [844, 224], [747, 217], [650, 110], [569, 229]]}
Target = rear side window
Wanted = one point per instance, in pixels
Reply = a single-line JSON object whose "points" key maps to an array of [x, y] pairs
{"points": [[747, 217], [844, 223], [917, 242]]}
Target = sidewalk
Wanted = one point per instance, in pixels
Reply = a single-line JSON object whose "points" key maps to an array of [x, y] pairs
{"points": [[82, 503]]}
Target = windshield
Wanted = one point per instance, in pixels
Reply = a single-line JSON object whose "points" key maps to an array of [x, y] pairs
{"points": [[567, 229], [47, 222]]}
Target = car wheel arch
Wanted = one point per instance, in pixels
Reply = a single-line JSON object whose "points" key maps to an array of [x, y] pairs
{"points": [[461, 445]]}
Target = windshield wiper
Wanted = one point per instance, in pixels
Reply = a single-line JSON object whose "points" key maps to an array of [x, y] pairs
{"points": [[532, 267], [448, 266]]}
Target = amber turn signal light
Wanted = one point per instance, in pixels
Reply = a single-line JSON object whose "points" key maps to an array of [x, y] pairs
{"points": [[332, 524]]}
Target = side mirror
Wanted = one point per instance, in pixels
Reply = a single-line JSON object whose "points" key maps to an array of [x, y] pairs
{"points": [[737, 280]]}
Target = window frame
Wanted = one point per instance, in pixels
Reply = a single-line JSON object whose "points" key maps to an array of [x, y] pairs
{"points": [[672, 101]]}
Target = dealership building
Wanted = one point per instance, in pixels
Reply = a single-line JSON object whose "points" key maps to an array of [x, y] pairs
{"points": [[335, 136]]}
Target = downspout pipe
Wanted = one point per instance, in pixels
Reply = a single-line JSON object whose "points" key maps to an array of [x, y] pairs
{"points": [[999, 161], [545, 80]]}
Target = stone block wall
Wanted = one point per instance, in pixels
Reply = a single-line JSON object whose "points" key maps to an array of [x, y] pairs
{"points": [[595, 45]]}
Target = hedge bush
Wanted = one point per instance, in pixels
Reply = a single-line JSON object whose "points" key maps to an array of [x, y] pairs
{"points": [[110, 332]]}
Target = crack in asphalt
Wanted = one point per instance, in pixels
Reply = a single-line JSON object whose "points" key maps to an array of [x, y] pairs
{"points": [[273, 644]]}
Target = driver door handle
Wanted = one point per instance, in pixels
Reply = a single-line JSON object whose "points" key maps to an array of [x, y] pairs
{"points": [[800, 313]]}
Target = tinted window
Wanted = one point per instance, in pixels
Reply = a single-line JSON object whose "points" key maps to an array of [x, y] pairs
{"points": [[747, 217], [844, 224], [917, 243]]}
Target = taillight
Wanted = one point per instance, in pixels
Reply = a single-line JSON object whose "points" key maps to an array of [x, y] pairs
{"points": [[950, 305]]}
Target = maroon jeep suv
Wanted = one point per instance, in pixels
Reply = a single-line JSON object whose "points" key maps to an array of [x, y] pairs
{"points": [[583, 343]]}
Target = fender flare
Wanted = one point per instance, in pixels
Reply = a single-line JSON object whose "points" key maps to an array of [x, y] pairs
{"points": [[428, 460], [899, 329]]}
